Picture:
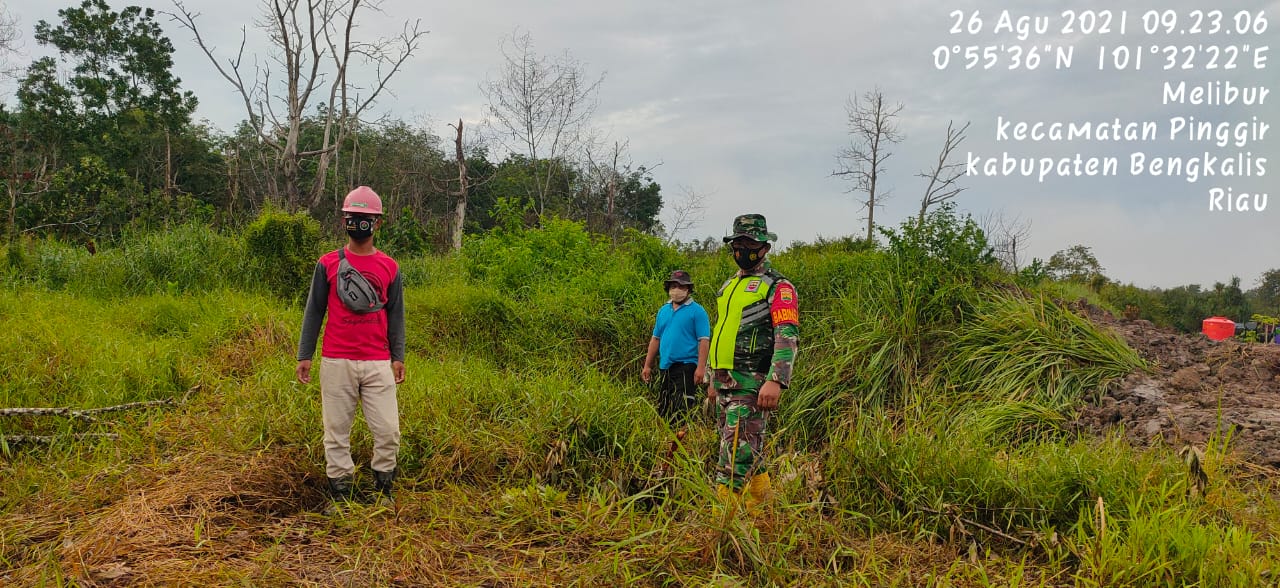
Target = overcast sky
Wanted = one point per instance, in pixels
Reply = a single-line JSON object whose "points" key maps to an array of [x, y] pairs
{"points": [[745, 101]]}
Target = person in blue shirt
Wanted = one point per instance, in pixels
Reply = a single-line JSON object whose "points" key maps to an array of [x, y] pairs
{"points": [[681, 338]]}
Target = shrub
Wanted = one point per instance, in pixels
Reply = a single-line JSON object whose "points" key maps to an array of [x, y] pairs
{"points": [[404, 235], [283, 249]]}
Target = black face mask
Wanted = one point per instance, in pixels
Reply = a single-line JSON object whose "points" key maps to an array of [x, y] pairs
{"points": [[360, 227], [748, 258]]}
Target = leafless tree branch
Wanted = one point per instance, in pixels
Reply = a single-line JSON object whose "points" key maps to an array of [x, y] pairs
{"points": [[540, 106], [1007, 237], [873, 129], [686, 213], [944, 174]]}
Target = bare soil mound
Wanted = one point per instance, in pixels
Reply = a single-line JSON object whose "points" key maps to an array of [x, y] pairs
{"points": [[1196, 388]]}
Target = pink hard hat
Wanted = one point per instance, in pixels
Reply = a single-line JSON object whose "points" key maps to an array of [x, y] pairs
{"points": [[362, 200]]}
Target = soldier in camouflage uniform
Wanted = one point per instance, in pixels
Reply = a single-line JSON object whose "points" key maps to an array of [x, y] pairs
{"points": [[753, 346]]}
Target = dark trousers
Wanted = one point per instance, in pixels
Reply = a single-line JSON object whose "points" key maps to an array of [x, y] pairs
{"points": [[678, 393]]}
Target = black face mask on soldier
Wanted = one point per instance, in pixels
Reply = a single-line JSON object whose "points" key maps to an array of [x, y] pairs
{"points": [[360, 227], [748, 258]]}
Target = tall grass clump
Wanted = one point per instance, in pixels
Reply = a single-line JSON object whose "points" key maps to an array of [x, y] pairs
{"points": [[84, 352], [47, 262], [276, 253], [893, 470], [561, 425], [1121, 516], [189, 258], [456, 315], [567, 294], [283, 249], [1029, 349], [877, 342]]}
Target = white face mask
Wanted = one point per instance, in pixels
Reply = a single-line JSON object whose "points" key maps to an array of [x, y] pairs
{"points": [[678, 294]]}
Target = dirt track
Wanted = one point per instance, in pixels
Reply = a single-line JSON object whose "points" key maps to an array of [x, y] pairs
{"points": [[1197, 387]]}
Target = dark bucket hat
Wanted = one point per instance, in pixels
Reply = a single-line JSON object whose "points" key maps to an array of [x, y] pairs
{"points": [[678, 277]]}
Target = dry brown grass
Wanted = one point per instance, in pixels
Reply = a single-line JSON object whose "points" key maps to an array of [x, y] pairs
{"points": [[256, 339], [215, 519], [203, 517]]}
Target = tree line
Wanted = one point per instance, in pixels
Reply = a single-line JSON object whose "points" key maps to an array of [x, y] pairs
{"points": [[102, 139]]}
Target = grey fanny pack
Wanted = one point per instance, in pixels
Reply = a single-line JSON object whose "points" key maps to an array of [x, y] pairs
{"points": [[354, 289]]}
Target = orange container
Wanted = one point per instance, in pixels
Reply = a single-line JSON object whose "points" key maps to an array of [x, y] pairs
{"points": [[1218, 328]]}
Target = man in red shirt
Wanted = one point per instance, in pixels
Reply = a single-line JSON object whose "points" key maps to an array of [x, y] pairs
{"points": [[362, 357]]}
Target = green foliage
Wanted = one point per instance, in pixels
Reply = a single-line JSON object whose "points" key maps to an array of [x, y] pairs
{"points": [[1077, 264], [547, 184], [923, 403], [17, 257], [117, 124], [283, 248], [1267, 292], [1015, 349], [639, 200], [836, 246], [561, 276], [187, 340], [1187, 307], [509, 213], [1135, 302], [943, 248], [921, 326], [1268, 327], [404, 235], [1229, 300], [650, 256], [519, 260], [189, 258], [1034, 274], [87, 195], [123, 62]]}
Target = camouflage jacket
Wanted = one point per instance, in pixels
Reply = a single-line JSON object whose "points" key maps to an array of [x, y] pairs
{"points": [[757, 330]]}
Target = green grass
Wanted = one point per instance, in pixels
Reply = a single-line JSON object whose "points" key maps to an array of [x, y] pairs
{"points": [[930, 410]]}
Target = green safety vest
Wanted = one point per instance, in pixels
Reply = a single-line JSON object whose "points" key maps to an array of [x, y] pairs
{"points": [[743, 337]]}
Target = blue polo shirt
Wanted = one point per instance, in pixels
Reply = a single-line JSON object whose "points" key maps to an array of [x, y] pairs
{"points": [[678, 331]]}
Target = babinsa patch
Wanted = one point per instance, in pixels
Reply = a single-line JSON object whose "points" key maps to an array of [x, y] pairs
{"points": [[784, 309]]}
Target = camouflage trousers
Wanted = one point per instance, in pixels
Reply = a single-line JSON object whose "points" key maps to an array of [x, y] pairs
{"points": [[742, 429]]}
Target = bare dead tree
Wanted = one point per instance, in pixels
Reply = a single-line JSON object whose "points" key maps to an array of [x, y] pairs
{"points": [[24, 184], [10, 35], [944, 174], [540, 107], [1007, 238], [312, 40], [686, 213], [26, 175], [460, 207], [873, 130], [605, 164]]}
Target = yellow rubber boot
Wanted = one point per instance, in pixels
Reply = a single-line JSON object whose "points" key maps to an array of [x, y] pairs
{"points": [[757, 492], [728, 498]]}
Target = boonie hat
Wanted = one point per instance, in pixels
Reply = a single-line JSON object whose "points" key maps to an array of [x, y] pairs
{"points": [[679, 277], [751, 226]]}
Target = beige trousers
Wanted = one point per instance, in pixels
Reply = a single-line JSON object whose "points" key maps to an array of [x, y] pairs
{"points": [[344, 385]]}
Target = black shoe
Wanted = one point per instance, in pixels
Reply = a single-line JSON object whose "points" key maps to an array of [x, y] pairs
{"points": [[382, 483], [339, 490]]}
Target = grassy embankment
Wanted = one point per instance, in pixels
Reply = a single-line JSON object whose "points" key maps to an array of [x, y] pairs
{"points": [[923, 440]]}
